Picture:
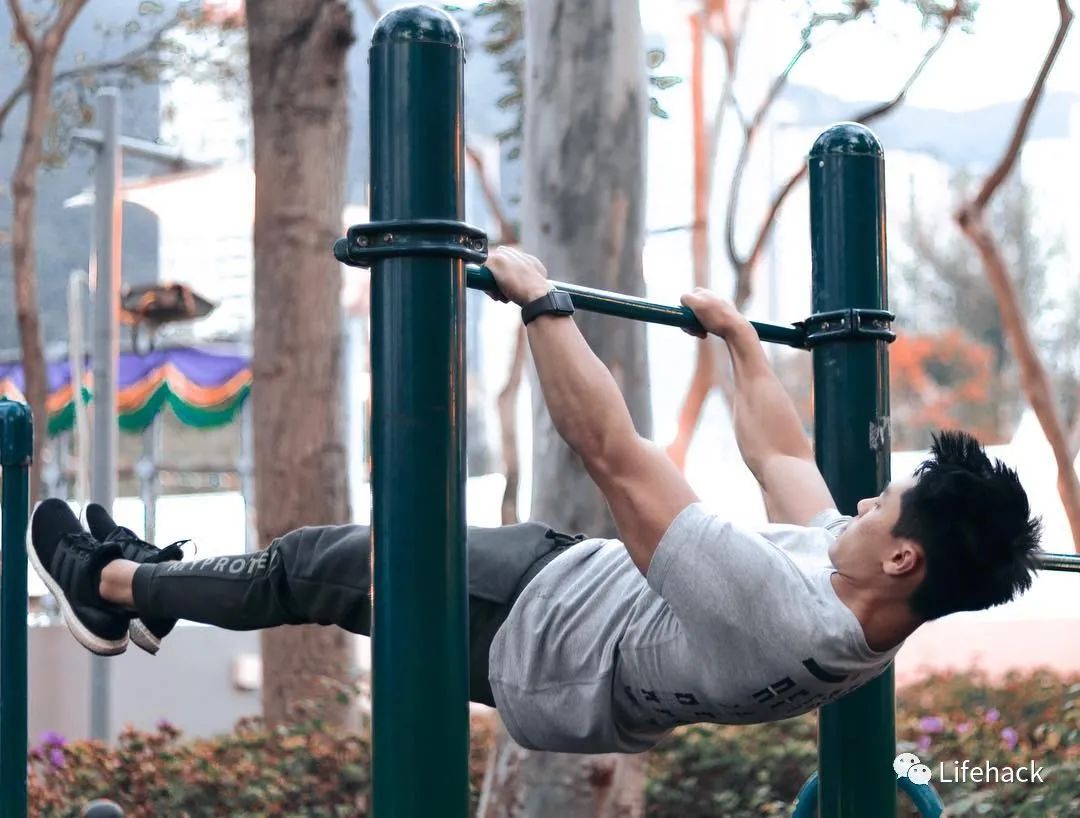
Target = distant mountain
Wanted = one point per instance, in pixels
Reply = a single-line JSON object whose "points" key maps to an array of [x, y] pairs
{"points": [[960, 139]]}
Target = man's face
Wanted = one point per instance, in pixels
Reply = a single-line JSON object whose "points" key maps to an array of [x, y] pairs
{"points": [[868, 544]]}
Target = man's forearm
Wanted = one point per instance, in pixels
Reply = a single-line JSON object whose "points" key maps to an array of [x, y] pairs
{"points": [[584, 401], [765, 420]]}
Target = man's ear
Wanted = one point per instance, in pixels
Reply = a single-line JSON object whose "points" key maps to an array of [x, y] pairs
{"points": [[903, 558]]}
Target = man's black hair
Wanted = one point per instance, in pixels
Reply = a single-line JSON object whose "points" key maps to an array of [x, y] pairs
{"points": [[971, 517]]}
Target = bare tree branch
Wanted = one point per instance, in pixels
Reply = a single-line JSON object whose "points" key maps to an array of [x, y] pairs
{"points": [[1034, 378], [1008, 159], [744, 266], [702, 379], [1074, 437], [731, 40], [508, 233], [749, 135], [506, 401], [506, 404], [105, 66], [22, 28], [710, 368], [11, 100], [57, 31]]}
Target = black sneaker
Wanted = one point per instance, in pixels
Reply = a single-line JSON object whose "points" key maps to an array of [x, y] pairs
{"points": [[146, 632], [69, 562]]}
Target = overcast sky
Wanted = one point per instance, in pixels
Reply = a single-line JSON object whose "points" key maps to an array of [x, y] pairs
{"points": [[994, 63]]}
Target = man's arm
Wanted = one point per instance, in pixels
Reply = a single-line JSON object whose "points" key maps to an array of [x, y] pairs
{"points": [[767, 427], [640, 483]]}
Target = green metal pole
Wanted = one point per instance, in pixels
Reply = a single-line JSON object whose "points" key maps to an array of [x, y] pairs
{"points": [[16, 446], [420, 625], [851, 428]]}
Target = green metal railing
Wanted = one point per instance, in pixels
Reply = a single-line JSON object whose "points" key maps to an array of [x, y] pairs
{"points": [[16, 446]]}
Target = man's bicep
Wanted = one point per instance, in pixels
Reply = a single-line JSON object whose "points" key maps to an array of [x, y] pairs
{"points": [[645, 492], [795, 491]]}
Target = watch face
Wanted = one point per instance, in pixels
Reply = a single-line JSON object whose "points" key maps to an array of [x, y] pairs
{"points": [[562, 301]]}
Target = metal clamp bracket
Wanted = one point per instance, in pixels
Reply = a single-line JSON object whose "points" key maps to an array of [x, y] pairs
{"points": [[365, 244], [855, 324]]}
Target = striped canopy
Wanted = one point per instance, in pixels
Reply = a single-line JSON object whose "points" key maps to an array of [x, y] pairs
{"points": [[203, 388]]}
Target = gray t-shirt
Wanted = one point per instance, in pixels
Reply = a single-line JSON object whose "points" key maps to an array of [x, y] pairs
{"points": [[731, 626]]}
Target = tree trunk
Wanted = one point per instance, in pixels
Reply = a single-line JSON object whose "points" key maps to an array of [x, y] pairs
{"points": [[40, 68], [523, 784], [24, 263], [583, 210], [298, 91], [583, 204]]}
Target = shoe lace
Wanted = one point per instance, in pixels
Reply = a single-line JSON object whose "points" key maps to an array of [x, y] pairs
{"points": [[172, 551], [175, 550], [80, 541]]}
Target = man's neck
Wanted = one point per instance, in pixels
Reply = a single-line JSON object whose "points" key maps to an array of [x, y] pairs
{"points": [[885, 622]]}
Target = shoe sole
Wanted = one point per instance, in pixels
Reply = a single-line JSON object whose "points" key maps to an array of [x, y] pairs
{"points": [[143, 637], [87, 638]]}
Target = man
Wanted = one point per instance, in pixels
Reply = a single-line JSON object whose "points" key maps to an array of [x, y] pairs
{"points": [[592, 645]]}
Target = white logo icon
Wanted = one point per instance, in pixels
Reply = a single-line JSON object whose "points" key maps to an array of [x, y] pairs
{"points": [[908, 765], [919, 774]]}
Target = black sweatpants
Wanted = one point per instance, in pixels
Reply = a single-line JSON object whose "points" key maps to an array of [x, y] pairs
{"points": [[322, 575]]}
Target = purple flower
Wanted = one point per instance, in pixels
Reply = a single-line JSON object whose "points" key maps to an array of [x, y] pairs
{"points": [[924, 743], [56, 757], [1011, 737], [931, 724], [50, 738], [992, 715], [963, 728], [164, 724]]}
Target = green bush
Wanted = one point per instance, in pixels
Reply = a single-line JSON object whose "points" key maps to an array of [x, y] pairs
{"points": [[304, 770], [310, 770], [739, 772]]}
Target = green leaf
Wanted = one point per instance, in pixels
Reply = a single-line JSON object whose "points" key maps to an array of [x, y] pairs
{"points": [[664, 82], [654, 57], [656, 110], [150, 7]]}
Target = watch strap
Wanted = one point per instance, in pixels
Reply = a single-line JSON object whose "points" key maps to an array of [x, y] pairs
{"points": [[554, 302]]}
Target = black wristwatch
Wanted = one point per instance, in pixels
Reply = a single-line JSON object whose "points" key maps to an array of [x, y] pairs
{"points": [[554, 302]]}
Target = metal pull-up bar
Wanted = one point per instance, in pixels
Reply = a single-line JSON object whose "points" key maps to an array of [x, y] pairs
{"points": [[1057, 562], [640, 309], [442, 238]]}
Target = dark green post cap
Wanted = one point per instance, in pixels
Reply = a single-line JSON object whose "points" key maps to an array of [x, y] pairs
{"points": [[16, 433], [418, 24], [847, 139]]}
